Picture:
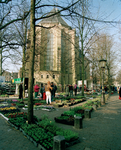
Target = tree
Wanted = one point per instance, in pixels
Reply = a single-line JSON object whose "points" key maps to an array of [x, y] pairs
{"points": [[32, 49], [85, 31], [102, 49], [118, 77]]}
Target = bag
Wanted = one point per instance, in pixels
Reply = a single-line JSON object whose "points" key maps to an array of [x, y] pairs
{"points": [[40, 95], [119, 97]]}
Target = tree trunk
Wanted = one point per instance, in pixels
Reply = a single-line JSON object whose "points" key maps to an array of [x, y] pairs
{"points": [[82, 54], [31, 63], [24, 50]]}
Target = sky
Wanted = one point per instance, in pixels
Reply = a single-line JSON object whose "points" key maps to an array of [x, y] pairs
{"points": [[108, 10]]}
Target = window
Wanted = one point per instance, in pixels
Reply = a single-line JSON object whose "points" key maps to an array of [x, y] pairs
{"points": [[41, 75], [49, 60], [47, 76], [53, 76]]}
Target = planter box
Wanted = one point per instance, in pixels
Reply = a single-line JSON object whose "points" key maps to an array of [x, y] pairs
{"points": [[58, 101], [35, 143], [16, 127], [41, 147], [28, 137], [71, 143], [69, 104], [57, 105], [64, 121]]}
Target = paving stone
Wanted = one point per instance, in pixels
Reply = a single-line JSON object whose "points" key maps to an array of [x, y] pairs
{"points": [[101, 132]]}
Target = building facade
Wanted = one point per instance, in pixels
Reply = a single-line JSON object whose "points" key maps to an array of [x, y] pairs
{"points": [[56, 52], [9, 76]]}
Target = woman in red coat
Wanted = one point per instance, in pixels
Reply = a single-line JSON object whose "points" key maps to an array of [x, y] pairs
{"points": [[36, 90]]}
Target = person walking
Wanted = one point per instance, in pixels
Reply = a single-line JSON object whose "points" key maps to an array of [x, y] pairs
{"points": [[71, 90], [36, 90], [52, 91], [120, 92], [75, 89], [55, 89], [21, 91], [42, 91], [44, 95], [48, 89]]}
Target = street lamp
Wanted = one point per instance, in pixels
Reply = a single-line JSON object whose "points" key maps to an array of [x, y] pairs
{"points": [[102, 66]]}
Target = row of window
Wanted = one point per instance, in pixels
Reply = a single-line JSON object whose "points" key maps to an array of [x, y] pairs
{"points": [[47, 76]]}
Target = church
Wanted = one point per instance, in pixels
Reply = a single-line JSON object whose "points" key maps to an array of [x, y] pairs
{"points": [[56, 51]]}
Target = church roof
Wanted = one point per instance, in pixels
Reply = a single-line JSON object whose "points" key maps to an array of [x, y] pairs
{"points": [[55, 18]]}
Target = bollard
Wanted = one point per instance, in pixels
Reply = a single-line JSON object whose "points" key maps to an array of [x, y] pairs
{"points": [[99, 103], [94, 107], [78, 122], [87, 113], [59, 143]]}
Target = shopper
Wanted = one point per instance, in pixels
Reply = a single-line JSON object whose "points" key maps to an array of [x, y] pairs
{"points": [[36, 90], [42, 91], [75, 89], [44, 94], [21, 91], [48, 89], [52, 91], [71, 90], [55, 89]]}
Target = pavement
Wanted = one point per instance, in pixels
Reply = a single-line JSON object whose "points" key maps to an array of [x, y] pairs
{"points": [[101, 132]]}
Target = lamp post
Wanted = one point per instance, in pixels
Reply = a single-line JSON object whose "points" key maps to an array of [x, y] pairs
{"points": [[102, 65]]}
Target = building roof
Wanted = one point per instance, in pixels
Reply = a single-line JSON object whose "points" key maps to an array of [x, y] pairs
{"points": [[55, 18]]}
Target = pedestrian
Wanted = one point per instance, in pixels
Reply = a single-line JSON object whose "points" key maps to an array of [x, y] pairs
{"points": [[42, 91], [85, 88], [120, 92], [48, 89], [106, 89], [21, 91], [71, 90], [52, 91], [44, 95], [75, 89], [36, 90], [55, 89], [80, 88]]}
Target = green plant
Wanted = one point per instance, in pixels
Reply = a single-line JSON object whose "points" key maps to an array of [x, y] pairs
{"points": [[89, 102], [63, 117], [71, 113], [75, 109], [68, 134]]}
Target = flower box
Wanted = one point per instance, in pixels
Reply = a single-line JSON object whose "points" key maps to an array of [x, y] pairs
{"points": [[35, 143], [37, 104], [41, 147], [71, 143], [68, 121]]}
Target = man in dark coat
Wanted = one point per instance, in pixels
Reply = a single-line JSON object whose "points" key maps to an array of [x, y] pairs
{"points": [[55, 89], [21, 91], [52, 91], [71, 90]]}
